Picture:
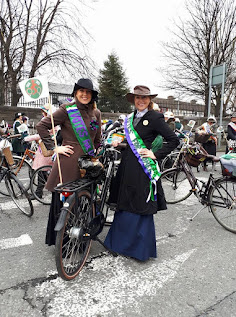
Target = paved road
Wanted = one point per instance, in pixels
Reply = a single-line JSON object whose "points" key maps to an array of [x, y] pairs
{"points": [[194, 274]]}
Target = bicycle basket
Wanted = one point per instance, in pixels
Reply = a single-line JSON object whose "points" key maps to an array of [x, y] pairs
{"points": [[201, 138], [195, 155], [92, 166]]}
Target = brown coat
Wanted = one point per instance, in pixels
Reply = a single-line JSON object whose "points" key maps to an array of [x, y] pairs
{"points": [[69, 165]]}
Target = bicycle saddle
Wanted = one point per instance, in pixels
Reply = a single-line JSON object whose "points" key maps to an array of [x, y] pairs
{"points": [[93, 166]]}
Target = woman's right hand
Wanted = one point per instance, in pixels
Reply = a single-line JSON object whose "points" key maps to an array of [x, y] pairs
{"points": [[66, 150]]}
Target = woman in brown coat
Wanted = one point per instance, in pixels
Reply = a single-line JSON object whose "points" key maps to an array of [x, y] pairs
{"points": [[71, 149]]}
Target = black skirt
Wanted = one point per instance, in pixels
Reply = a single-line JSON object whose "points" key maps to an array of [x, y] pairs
{"points": [[53, 216], [210, 147]]}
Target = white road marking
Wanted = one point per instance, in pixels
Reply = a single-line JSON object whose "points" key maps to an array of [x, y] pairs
{"points": [[109, 285], [11, 205], [15, 242]]}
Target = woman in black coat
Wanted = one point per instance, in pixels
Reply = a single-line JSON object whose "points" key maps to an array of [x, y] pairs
{"points": [[138, 196], [231, 130]]}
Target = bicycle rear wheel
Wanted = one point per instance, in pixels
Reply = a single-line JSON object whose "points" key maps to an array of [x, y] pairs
{"points": [[18, 194], [73, 242], [176, 185], [222, 200], [38, 182]]}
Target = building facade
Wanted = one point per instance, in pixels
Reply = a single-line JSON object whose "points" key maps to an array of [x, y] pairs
{"points": [[180, 108]]}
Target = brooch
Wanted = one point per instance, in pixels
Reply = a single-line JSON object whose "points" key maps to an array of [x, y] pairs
{"points": [[93, 125], [145, 122]]}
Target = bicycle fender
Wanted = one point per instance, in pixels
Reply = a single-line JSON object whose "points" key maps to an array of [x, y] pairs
{"points": [[61, 220]]}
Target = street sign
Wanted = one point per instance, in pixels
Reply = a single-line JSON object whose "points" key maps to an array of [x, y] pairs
{"points": [[217, 75]]}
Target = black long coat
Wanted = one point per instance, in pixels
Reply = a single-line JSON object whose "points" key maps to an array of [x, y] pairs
{"points": [[130, 188]]}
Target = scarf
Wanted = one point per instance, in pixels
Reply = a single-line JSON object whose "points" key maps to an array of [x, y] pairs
{"points": [[232, 125]]}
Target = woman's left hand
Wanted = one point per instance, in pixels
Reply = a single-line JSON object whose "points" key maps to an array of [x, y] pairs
{"points": [[147, 153]]}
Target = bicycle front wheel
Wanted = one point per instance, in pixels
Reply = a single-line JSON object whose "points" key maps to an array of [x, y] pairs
{"points": [[38, 182], [73, 242], [176, 185], [168, 161], [19, 194], [222, 199]]}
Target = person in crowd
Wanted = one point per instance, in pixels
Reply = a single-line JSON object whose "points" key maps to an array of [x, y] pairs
{"points": [[109, 122], [178, 125], [5, 127], [40, 159], [17, 144], [104, 123], [85, 113], [24, 130], [117, 124], [231, 131], [170, 119], [210, 145], [156, 107], [137, 189]]}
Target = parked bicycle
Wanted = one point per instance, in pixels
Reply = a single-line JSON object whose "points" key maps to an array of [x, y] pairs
{"points": [[218, 194], [14, 187], [171, 159], [83, 214]]}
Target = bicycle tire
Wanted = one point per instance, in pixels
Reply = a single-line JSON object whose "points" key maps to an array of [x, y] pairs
{"points": [[19, 194], [176, 187], [168, 161], [72, 242], [37, 184], [222, 199], [25, 172]]}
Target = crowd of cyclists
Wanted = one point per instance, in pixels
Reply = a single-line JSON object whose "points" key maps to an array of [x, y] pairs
{"points": [[28, 140]]}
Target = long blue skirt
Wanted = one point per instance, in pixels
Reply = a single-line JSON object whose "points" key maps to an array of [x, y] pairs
{"points": [[132, 235]]}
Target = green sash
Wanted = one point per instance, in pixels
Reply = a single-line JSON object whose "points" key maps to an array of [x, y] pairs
{"points": [[80, 129], [150, 168]]}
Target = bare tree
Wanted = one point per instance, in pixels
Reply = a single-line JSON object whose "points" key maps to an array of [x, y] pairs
{"points": [[206, 38], [36, 35]]}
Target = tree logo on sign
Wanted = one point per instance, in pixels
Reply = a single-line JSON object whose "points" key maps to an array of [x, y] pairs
{"points": [[34, 88]]}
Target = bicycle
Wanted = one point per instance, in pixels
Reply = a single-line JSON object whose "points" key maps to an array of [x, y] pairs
{"points": [[23, 166], [82, 216], [22, 169], [171, 159], [14, 186], [37, 184], [218, 194]]}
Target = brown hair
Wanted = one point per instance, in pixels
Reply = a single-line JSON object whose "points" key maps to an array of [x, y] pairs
{"points": [[151, 105]]}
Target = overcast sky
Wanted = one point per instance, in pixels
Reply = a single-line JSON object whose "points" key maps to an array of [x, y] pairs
{"points": [[134, 30]]}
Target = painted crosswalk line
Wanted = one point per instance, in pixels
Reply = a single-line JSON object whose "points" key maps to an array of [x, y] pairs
{"points": [[24, 239], [109, 285]]}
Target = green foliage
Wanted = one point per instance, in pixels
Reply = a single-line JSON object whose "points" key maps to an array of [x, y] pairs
{"points": [[113, 86]]}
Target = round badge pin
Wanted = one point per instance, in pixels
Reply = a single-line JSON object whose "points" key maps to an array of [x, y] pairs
{"points": [[145, 122]]}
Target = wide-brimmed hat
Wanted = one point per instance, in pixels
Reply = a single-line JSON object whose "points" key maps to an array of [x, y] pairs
{"points": [[140, 91], [18, 114], [87, 84]]}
